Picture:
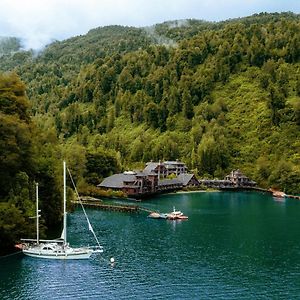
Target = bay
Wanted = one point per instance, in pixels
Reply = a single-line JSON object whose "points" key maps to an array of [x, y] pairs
{"points": [[241, 245]]}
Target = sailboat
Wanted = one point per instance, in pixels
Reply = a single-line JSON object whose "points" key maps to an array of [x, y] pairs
{"points": [[58, 248]]}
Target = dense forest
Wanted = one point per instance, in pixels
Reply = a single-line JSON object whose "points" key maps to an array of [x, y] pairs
{"points": [[218, 96]]}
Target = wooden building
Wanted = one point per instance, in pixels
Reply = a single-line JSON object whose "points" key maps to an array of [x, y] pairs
{"points": [[157, 168], [166, 168], [235, 180], [188, 180], [151, 180], [238, 179], [139, 184]]}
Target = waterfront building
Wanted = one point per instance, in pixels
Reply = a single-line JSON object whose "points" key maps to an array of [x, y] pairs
{"points": [[215, 183], [188, 180], [152, 180], [169, 185], [157, 168], [138, 184], [175, 167], [166, 168], [238, 179]]}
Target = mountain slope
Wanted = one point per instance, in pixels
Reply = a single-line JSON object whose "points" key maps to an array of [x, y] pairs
{"points": [[221, 96]]}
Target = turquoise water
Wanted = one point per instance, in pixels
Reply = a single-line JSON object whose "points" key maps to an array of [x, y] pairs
{"points": [[234, 246]]}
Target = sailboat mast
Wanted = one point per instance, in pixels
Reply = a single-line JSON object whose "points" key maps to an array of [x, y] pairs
{"points": [[37, 214], [65, 206]]}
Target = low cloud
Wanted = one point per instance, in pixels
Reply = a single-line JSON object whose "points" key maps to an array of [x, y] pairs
{"points": [[39, 22], [159, 39]]}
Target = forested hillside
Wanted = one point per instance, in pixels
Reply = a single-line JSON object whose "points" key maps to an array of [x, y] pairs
{"points": [[218, 96], [25, 160], [9, 45]]}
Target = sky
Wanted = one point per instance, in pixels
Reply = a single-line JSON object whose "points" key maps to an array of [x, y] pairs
{"points": [[39, 22]]}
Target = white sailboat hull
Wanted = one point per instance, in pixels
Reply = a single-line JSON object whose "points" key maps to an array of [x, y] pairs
{"points": [[64, 256], [54, 251]]}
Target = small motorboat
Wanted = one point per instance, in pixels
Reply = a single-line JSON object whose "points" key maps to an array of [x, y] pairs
{"points": [[176, 215]]}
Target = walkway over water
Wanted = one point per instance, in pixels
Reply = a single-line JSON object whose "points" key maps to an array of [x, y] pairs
{"points": [[100, 205], [292, 197], [96, 203]]}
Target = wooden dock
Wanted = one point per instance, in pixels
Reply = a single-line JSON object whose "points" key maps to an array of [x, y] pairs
{"points": [[112, 207], [280, 194], [147, 210], [292, 197], [97, 203]]}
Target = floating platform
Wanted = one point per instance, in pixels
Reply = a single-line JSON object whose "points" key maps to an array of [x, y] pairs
{"points": [[155, 215]]}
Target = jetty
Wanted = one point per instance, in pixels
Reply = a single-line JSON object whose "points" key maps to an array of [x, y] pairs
{"points": [[97, 203], [280, 194], [113, 207], [293, 197]]}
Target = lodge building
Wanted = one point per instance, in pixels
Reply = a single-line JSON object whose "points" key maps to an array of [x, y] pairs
{"points": [[235, 180], [166, 168], [238, 179], [152, 180]]}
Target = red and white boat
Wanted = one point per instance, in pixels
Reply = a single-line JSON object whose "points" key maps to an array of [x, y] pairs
{"points": [[176, 215]]}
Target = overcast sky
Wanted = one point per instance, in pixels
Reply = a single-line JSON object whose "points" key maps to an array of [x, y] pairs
{"points": [[40, 21]]}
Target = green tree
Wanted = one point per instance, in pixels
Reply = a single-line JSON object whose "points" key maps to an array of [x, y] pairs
{"points": [[212, 154], [276, 102], [174, 103], [187, 107], [151, 113], [12, 226], [15, 130], [100, 164]]}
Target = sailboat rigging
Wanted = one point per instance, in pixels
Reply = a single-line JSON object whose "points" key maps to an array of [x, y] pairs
{"points": [[59, 248]]}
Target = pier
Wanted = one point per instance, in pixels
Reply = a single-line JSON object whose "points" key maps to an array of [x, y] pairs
{"points": [[99, 205], [292, 197], [280, 194]]}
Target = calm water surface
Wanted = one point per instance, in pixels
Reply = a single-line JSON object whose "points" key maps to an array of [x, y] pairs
{"points": [[234, 246]]}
